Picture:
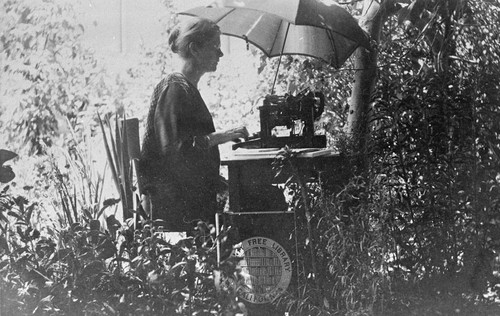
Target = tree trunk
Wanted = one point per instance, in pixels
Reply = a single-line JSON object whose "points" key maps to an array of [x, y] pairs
{"points": [[365, 61]]}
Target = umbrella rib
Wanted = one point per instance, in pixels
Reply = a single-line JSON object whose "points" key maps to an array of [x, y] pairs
{"points": [[223, 16], [252, 27], [276, 36], [281, 54], [335, 53]]}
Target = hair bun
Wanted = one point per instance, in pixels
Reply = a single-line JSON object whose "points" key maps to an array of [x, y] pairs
{"points": [[172, 40], [194, 30]]}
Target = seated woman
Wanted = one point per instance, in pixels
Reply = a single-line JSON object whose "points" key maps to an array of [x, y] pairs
{"points": [[179, 165]]}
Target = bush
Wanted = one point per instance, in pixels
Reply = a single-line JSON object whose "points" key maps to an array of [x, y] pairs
{"points": [[89, 268]]}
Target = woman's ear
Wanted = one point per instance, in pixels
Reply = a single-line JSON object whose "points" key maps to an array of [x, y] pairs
{"points": [[193, 49]]}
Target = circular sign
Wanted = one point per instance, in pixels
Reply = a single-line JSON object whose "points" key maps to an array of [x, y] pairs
{"points": [[266, 270]]}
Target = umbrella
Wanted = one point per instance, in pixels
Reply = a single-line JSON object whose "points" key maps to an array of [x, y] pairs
{"points": [[289, 27]]}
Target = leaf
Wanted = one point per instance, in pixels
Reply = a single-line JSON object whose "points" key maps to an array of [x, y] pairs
{"points": [[178, 265], [6, 155], [95, 225], [76, 227], [110, 202], [35, 234], [326, 304], [93, 268], [154, 277], [113, 224], [47, 299], [119, 259], [29, 211], [87, 213], [62, 254], [14, 214], [109, 154], [6, 174], [110, 309], [106, 249], [4, 244]]}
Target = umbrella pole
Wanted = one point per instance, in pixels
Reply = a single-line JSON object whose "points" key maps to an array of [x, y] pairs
{"points": [[279, 60]]}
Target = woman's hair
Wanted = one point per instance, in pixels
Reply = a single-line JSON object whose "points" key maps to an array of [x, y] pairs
{"points": [[195, 30]]}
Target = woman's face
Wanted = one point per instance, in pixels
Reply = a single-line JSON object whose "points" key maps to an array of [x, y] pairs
{"points": [[210, 54]]}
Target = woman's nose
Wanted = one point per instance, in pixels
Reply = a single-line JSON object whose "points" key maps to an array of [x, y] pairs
{"points": [[220, 53]]}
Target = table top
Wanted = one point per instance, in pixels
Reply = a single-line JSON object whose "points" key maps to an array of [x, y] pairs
{"points": [[243, 154]]}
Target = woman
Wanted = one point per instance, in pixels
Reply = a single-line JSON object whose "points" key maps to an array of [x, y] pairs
{"points": [[180, 157]]}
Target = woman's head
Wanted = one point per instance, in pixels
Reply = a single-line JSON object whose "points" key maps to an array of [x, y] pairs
{"points": [[193, 32]]}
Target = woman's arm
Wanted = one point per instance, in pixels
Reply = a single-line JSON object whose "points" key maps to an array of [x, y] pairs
{"points": [[173, 135], [218, 138]]}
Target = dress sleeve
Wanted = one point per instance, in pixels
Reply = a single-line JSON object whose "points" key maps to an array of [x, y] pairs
{"points": [[174, 123]]}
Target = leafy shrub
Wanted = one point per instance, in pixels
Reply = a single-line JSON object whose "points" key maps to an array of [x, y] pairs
{"points": [[436, 144], [341, 239], [89, 267]]}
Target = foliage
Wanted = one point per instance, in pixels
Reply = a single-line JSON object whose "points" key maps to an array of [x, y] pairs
{"points": [[421, 224], [435, 146], [422, 221], [341, 242], [94, 269], [436, 143], [119, 157], [49, 80], [96, 265], [52, 87], [6, 173], [297, 73], [155, 62], [79, 187]]}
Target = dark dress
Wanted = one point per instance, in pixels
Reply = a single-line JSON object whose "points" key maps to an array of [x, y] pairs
{"points": [[182, 179]]}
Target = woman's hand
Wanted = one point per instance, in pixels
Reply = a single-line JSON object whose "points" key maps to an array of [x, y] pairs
{"points": [[218, 138], [239, 132]]}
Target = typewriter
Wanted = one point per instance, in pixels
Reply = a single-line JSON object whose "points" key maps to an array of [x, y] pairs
{"points": [[288, 120]]}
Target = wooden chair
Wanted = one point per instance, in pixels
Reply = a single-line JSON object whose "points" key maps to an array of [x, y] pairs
{"points": [[131, 136]]}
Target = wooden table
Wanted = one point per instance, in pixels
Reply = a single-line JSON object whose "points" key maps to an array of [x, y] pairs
{"points": [[259, 212], [250, 169]]}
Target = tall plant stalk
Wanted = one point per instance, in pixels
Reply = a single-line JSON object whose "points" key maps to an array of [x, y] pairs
{"points": [[286, 159], [117, 152]]}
